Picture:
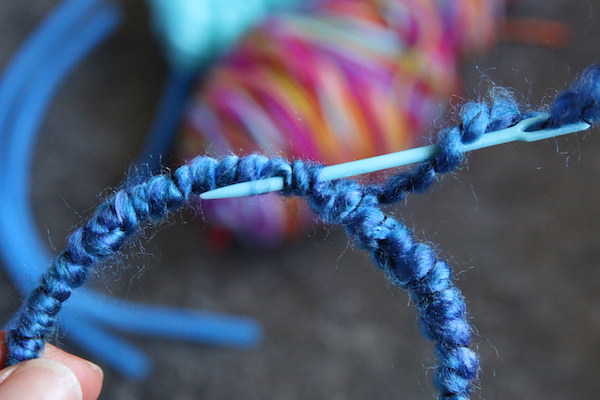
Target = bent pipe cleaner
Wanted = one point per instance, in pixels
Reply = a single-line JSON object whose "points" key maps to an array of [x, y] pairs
{"points": [[406, 262], [77, 30], [60, 42]]}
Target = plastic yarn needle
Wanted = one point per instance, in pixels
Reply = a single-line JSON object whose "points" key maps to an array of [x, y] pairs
{"points": [[518, 133]]}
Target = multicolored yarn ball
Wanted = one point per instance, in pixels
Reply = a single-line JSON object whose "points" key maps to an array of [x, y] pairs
{"points": [[354, 79]]}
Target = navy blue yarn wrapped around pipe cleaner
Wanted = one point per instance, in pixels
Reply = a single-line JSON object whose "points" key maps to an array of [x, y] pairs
{"points": [[406, 262]]}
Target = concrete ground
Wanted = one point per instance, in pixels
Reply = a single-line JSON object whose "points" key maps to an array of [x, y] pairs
{"points": [[520, 225]]}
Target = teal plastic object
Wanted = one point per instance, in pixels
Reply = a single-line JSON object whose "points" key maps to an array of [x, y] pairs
{"points": [[196, 31], [517, 133]]}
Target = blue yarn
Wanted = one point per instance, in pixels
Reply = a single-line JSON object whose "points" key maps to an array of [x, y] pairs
{"points": [[477, 119], [581, 102], [406, 263], [72, 30]]}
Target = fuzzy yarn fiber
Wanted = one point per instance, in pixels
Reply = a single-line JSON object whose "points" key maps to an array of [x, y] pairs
{"points": [[405, 261]]}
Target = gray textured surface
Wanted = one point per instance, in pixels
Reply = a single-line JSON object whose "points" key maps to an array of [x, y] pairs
{"points": [[520, 224]]}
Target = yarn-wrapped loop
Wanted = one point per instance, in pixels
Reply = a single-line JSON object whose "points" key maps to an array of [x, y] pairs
{"points": [[476, 119], [406, 262]]}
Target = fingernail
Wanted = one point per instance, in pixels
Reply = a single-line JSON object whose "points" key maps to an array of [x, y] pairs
{"points": [[41, 379], [97, 370]]}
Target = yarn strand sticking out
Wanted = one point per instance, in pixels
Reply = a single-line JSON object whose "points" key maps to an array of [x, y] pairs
{"points": [[405, 262]]}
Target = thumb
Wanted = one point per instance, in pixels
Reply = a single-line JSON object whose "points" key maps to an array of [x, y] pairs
{"points": [[41, 379]]}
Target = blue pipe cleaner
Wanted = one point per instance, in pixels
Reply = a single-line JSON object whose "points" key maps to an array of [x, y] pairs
{"points": [[406, 263], [61, 41], [19, 250], [21, 106], [164, 127]]}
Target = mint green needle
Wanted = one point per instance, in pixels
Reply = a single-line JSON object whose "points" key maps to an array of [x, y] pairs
{"points": [[515, 133]]}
